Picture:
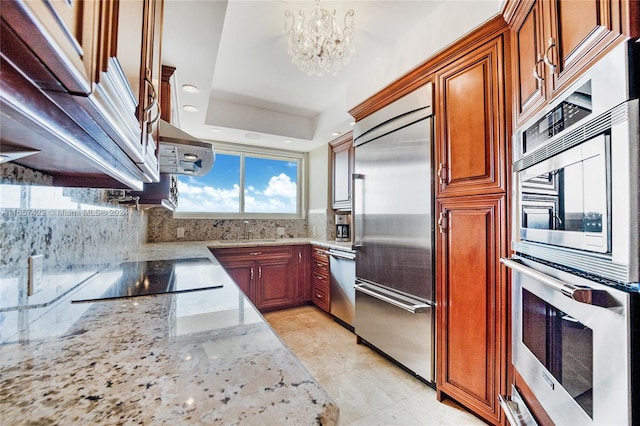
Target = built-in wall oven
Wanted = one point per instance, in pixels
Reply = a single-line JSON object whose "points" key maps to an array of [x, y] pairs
{"points": [[575, 268]]}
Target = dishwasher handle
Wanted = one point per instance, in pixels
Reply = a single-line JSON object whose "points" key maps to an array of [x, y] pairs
{"points": [[397, 300], [341, 254]]}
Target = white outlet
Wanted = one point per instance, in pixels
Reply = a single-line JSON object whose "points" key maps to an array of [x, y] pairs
{"points": [[180, 232], [280, 231], [36, 279]]}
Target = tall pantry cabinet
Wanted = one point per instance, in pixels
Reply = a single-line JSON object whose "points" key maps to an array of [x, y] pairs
{"points": [[471, 235]]}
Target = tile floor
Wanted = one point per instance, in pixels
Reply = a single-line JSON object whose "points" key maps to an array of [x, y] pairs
{"points": [[368, 388]]}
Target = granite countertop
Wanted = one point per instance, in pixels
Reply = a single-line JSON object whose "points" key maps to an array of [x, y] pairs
{"points": [[203, 357]]}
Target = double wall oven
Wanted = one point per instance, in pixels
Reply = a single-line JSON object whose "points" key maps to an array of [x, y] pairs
{"points": [[575, 268]]}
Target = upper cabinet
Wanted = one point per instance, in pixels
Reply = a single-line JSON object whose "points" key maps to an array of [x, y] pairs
{"points": [[470, 120], [80, 84], [342, 162], [554, 41]]}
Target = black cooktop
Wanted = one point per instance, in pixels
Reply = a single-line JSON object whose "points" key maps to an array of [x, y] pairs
{"points": [[145, 278]]}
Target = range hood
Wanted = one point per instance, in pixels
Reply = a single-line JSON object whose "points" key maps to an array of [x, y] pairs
{"points": [[180, 153]]}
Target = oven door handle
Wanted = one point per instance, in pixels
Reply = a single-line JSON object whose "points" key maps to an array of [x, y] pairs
{"points": [[582, 294]]}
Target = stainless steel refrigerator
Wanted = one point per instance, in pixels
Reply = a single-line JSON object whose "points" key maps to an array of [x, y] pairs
{"points": [[393, 231]]}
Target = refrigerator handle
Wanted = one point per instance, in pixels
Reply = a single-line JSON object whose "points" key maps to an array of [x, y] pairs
{"points": [[357, 228]]}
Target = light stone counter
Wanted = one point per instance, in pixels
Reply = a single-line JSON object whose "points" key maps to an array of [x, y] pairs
{"points": [[205, 357]]}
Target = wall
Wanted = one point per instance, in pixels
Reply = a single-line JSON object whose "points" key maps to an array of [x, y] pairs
{"points": [[163, 227], [448, 22], [77, 231], [321, 217]]}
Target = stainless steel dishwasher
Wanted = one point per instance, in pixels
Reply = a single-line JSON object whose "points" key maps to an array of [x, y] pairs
{"points": [[342, 270]]}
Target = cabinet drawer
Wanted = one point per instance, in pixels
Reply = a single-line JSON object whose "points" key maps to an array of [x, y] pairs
{"points": [[251, 252], [319, 279], [319, 254], [320, 266], [320, 297]]}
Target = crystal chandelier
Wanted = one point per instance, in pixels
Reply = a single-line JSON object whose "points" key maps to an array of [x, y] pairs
{"points": [[318, 45]]}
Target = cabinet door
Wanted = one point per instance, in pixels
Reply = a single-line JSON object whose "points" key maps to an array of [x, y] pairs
{"points": [[470, 131], [242, 272], [138, 22], [529, 69], [342, 152], [472, 306], [274, 284], [62, 35], [580, 30], [302, 286]]}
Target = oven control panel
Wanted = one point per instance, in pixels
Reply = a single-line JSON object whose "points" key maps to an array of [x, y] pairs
{"points": [[572, 109]]}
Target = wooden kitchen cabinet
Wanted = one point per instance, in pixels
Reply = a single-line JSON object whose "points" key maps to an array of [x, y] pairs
{"points": [[77, 86], [470, 123], [471, 150], [302, 285], [320, 294], [268, 276], [555, 41], [342, 166], [472, 302]]}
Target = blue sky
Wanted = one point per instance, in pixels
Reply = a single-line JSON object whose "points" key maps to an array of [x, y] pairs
{"points": [[271, 187]]}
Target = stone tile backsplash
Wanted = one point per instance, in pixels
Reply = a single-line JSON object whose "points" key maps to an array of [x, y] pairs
{"points": [[163, 227], [76, 230]]}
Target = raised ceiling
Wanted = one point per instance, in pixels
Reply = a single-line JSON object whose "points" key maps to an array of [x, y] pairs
{"points": [[235, 52]]}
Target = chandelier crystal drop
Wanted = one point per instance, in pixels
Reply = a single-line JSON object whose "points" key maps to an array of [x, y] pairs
{"points": [[318, 45]]}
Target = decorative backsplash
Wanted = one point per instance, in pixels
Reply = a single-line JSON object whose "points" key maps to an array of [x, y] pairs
{"points": [[76, 230], [163, 227]]}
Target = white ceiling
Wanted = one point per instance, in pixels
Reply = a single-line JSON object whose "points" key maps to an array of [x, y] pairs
{"points": [[235, 52]]}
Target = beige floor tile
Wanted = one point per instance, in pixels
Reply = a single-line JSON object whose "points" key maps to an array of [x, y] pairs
{"points": [[368, 388]]}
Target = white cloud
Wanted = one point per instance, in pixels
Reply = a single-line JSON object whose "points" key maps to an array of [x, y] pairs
{"points": [[281, 186], [278, 197]]}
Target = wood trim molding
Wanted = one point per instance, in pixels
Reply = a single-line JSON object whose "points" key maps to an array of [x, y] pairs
{"points": [[343, 138], [422, 73], [165, 92]]}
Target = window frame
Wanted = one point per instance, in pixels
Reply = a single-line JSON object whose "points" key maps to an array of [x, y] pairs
{"points": [[266, 153]]}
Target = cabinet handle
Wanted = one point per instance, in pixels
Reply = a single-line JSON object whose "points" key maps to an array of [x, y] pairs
{"points": [[299, 257], [255, 253], [442, 173], [259, 272], [318, 296], [536, 74], [442, 221], [319, 277], [252, 273], [547, 61], [152, 104]]}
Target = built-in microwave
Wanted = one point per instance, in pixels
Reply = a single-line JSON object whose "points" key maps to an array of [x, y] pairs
{"points": [[576, 175]]}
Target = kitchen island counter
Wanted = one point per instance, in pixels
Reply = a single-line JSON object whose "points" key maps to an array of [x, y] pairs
{"points": [[203, 357]]}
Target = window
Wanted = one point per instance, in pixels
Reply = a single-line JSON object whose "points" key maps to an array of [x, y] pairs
{"points": [[242, 184]]}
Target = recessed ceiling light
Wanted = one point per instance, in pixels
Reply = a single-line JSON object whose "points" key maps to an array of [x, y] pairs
{"points": [[353, 123], [335, 134], [190, 108], [215, 130], [288, 141], [252, 136], [190, 88]]}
